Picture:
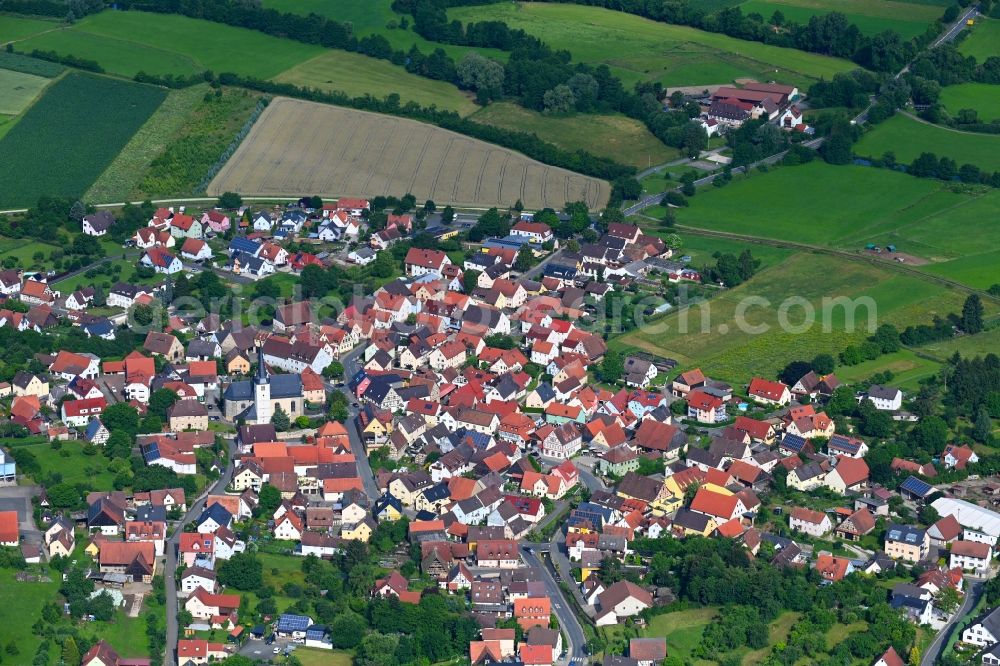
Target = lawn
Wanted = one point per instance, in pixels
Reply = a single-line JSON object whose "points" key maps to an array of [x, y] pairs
{"points": [[316, 657], [739, 333], [983, 40], [13, 28], [983, 97], [20, 607], [80, 124], [850, 211], [908, 138], [615, 136], [18, 91], [357, 75], [907, 369], [23, 250], [909, 20], [638, 49], [683, 629], [70, 462], [128, 42]]}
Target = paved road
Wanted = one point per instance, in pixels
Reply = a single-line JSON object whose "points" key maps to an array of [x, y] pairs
{"points": [[540, 266], [568, 622], [660, 167], [973, 590], [957, 27], [170, 568], [351, 367]]}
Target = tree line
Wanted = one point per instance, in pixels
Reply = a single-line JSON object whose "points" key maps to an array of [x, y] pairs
{"points": [[830, 34]]}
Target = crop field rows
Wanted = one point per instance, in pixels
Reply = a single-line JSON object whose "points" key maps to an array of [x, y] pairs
{"points": [[71, 134], [299, 148]]}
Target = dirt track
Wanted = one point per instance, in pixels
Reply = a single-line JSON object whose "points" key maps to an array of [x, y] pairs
{"points": [[308, 148]]}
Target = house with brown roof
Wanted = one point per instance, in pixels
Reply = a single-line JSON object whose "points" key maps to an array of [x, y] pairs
{"points": [[813, 523], [136, 559], [621, 600], [856, 525]]}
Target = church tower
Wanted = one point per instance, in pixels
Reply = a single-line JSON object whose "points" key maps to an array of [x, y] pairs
{"points": [[262, 391]]}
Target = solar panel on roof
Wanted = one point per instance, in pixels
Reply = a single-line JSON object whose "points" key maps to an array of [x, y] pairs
{"points": [[150, 452], [916, 486], [289, 622]]}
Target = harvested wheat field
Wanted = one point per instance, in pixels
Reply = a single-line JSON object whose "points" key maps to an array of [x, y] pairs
{"points": [[299, 148]]}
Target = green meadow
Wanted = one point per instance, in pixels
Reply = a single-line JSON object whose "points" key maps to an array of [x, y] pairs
{"points": [[908, 138], [849, 211], [638, 49], [983, 97], [739, 333], [908, 19], [128, 42], [983, 39]]}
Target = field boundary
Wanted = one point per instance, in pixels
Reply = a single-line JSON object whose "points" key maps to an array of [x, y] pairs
{"points": [[233, 145]]}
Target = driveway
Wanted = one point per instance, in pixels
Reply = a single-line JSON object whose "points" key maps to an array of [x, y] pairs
{"points": [[18, 498], [973, 591]]}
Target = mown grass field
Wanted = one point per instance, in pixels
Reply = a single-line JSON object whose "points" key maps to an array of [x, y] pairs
{"points": [[18, 90], [908, 19], [983, 40], [740, 333], [20, 607], [638, 49], [850, 210], [983, 97], [357, 75], [70, 461], [23, 250], [908, 138], [614, 136], [70, 136], [13, 28], [128, 42], [316, 657], [374, 17], [907, 368]]}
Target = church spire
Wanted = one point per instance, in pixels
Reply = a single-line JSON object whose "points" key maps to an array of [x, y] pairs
{"points": [[261, 377]]}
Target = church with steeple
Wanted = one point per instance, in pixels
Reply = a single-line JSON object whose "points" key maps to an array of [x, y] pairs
{"points": [[254, 401]]}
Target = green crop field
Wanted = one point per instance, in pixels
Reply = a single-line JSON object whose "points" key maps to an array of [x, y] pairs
{"points": [[908, 138], [638, 49], [983, 97], [849, 211], [374, 17], [16, 62], [127, 42], [733, 338], [357, 75], [983, 40], [120, 181], [614, 136], [907, 19], [18, 90], [70, 135], [13, 28]]}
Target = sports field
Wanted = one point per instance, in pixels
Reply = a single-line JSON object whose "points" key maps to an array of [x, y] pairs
{"points": [[329, 150], [983, 40], [357, 75], [908, 138], [620, 138], [712, 337], [845, 208], [128, 42], [18, 90], [638, 49], [983, 97], [871, 17], [70, 135]]}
